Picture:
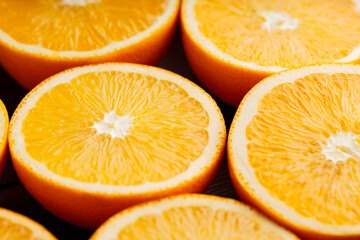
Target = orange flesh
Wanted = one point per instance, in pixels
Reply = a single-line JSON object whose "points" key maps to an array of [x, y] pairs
{"points": [[236, 28], [285, 144], [197, 223], [13, 231], [167, 133], [60, 27]]}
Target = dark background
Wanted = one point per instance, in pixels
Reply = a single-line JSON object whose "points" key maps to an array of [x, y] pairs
{"points": [[13, 195]]}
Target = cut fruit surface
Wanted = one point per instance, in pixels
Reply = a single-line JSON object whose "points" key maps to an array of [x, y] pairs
{"points": [[88, 25], [191, 217], [4, 125], [249, 40], [117, 133], [110, 119], [294, 151], [14, 226], [68, 33]]}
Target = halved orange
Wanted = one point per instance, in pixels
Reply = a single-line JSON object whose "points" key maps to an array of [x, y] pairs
{"points": [[294, 150], [4, 124], [14, 226], [191, 216], [233, 44], [40, 38], [91, 141]]}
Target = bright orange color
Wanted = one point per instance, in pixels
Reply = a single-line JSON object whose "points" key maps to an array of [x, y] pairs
{"points": [[232, 45], [294, 150], [191, 216], [14, 226], [106, 137], [4, 124], [41, 38]]}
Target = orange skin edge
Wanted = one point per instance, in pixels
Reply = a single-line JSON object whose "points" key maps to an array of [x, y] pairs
{"points": [[247, 194], [73, 205], [4, 148], [227, 81], [29, 69]]}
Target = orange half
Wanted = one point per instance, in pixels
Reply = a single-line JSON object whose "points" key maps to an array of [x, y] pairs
{"points": [[233, 44], [294, 150], [191, 217], [40, 38], [91, 141], [14, 226]]}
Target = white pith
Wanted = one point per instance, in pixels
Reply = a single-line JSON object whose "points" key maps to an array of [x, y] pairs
{"points": [[114, 125], [79, 2], [341, 146], [191, 25], [357, 4], [38, 231], [215, 130], [278, 20], [110, 229], [37, 49], [238, 146]]}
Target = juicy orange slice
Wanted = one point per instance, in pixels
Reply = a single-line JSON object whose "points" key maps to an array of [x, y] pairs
{"points": [[191, 217], [59, 34], [104, 137], [234, 45], [4, 124], [14, 226], [294, 149]]}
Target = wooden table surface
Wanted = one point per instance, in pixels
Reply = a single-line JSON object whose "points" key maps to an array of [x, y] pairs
{"points": [[13, 195]]}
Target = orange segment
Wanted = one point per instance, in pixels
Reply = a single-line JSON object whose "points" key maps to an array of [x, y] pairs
{"points": [[41, 38], [166, 126], [298, 136], [105, 137], [241, 42], [87, 25], [191, 217], [4, 124], [14, 226]]}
